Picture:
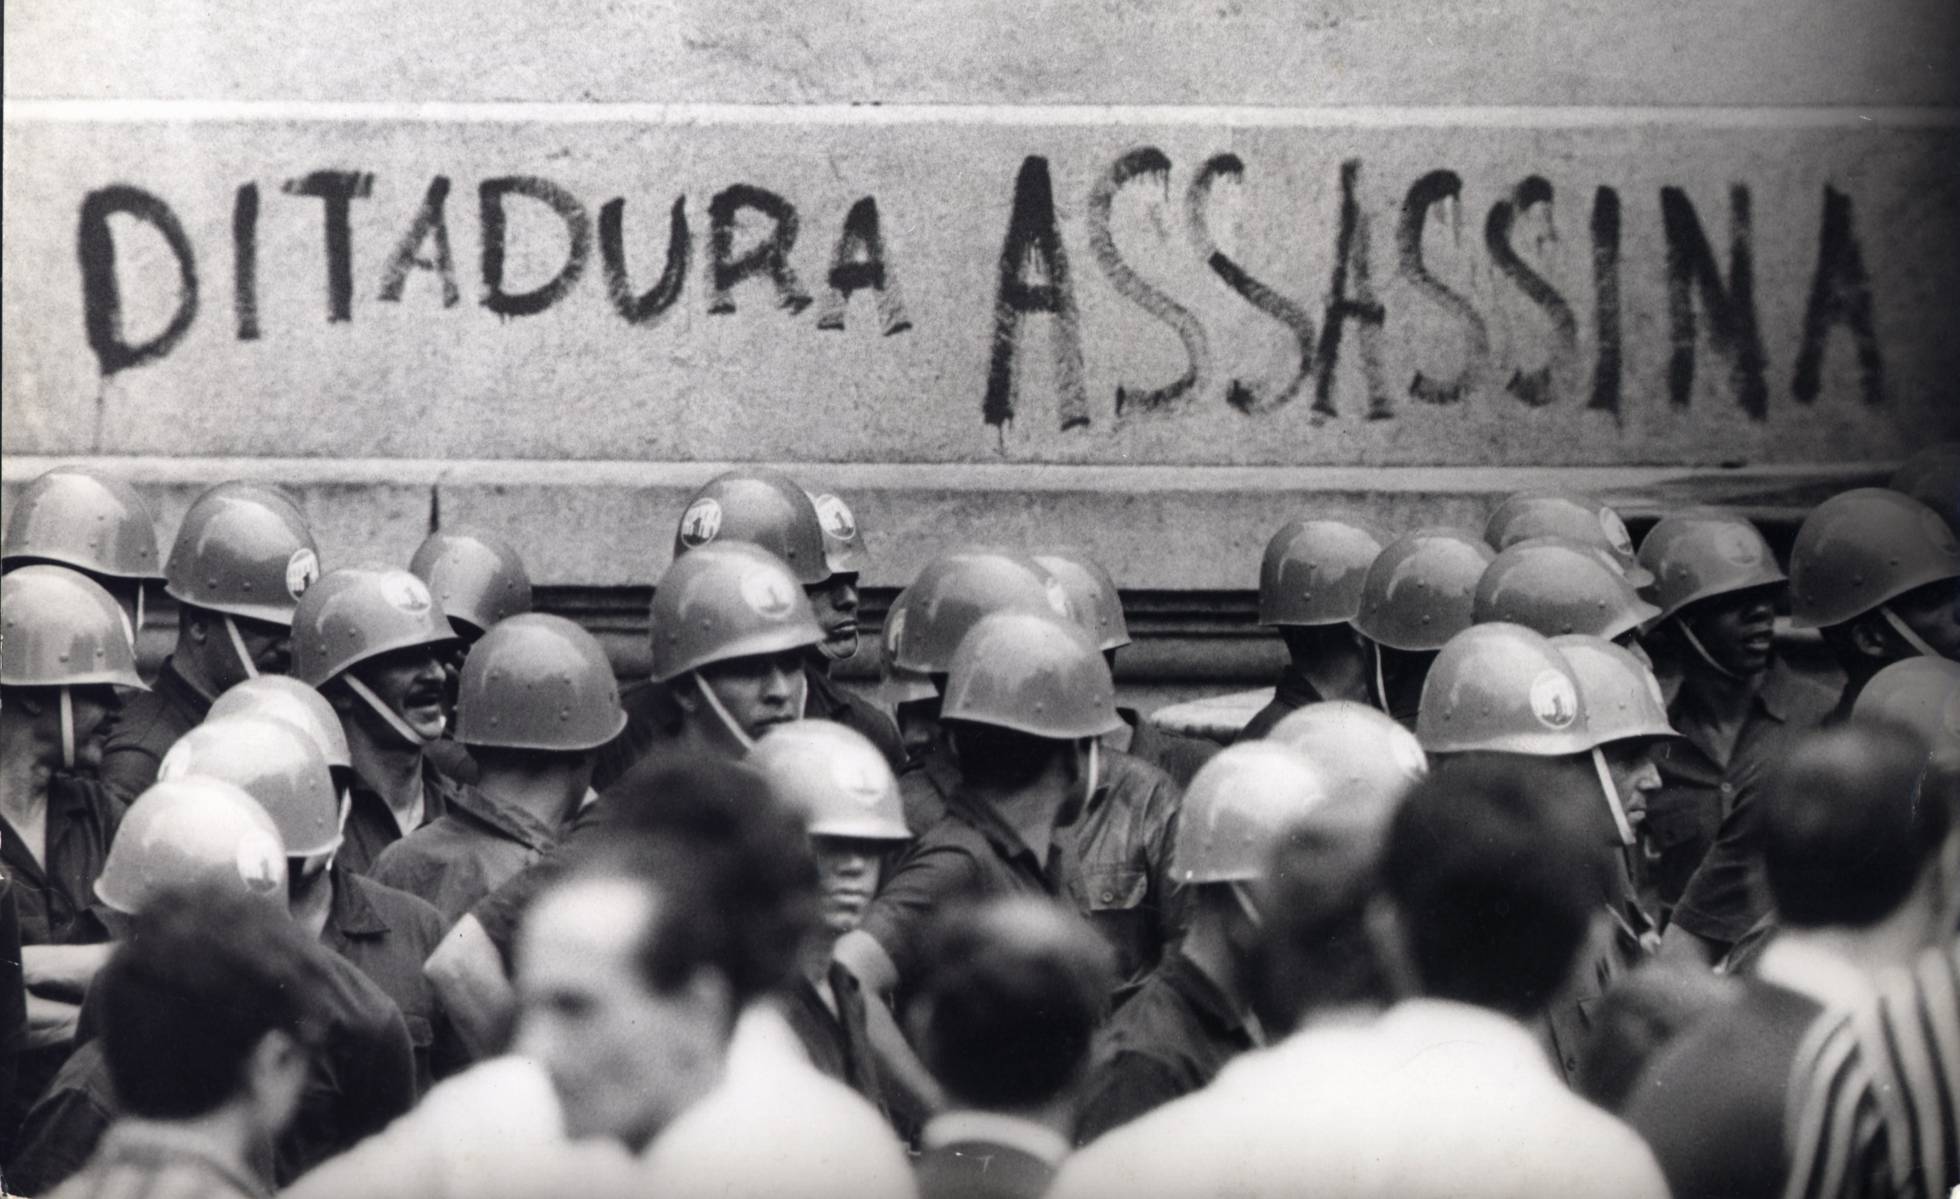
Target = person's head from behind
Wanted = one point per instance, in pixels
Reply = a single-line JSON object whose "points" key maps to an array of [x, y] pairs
{"points": [[1006, 1011], [1493, 876], [1852, 833], [207, 1013], [1638, 1017], [632, 971]]}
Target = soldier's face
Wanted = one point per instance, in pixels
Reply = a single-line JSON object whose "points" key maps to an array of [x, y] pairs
{"points": [[1933, 612], [268, 645], [1736, 629], [91, 708], [759, 691], [847, 878], [1636, 776], [410, 682], [836, 603]]}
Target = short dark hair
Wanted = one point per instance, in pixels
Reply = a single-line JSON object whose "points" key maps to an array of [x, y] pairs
{"points": [[201, 980], [1849, 824], [1001, 759], [1496, 877], [1007, 1008], [732, 867], [1317, 949]]}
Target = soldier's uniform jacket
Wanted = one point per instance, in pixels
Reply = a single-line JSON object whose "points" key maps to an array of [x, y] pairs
{"points": [[149, 723], [1292, 693], [388, 934], [653, 719], [371, 826], [829, 700], [1125, 885], [837, 1043], [469, 851], [1621, 937]]}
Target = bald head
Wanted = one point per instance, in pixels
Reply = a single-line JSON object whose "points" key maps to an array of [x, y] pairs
{"points": [[1849, 828]]}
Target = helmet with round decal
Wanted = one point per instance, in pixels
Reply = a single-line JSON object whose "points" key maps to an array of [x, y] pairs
{"points": [[1549, 512], [763, 507], [358, 621], [477, 578], [1502, 688], [192, 832], [1092, 595], [835, 777]]}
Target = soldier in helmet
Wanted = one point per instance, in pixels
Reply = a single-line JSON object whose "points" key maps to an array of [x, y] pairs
{"points": [[242, 559], [92, 523], [371, 640], [283, 764], [1503, 689], [1027, 699], [1310, 589], [1123, 837], [65, 658], [536, 700], [1876, 573], [1195, 1012], [1556, 588], [843, 787], [818, 538], [1550, 512], [1418, 593], [479, 580], [198, 833]]}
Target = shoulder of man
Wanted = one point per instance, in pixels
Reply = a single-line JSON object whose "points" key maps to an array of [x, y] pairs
{"points": [[406, 914]]}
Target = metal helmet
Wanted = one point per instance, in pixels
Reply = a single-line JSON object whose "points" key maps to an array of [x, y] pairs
{"points": [[1932, 476], [1504, 688], [835, 777], [899, 685], [1924, 695], [538, 682], [1035, 674], [1621, 696], [843, 539], [1358, 751], [282, 697], [244, 549], [1313, 570], [1239, 804], [760, 506], [1554, 513], [187, 832], [59, 628], [1556, 587], [361, 612], [478, 579], [954, 592], [90, 521], [275, 763], [1698, 555], [1863, 548], [1092, 595], [1418, 592], [731, 599]]}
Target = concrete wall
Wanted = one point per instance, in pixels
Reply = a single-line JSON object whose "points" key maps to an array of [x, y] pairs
{"points": [[1148, 277]]}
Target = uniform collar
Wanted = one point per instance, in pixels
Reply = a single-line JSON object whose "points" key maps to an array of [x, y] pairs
{"points": [[352, 914], [179, 691], [967, 1126], [988, 823], [68, 807], [513, 822]]}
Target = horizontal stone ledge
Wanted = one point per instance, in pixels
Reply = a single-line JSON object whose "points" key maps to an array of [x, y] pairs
{"points": [[1163, 528]]}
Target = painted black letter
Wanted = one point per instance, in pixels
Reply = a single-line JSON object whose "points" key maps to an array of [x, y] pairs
{"points": [[578, 227], [647, 308], [245, 261], [859, 262], [1033, 248], [1536, 388], [429, 223], [95, 245], [1243, 395], [1431, 189], [769, 258], [336, 191], [1731, 309], [1351, 297], [1840, 293], [1606, 300], [1145, 161]]}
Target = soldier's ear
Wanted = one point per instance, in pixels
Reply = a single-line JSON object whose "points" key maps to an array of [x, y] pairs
{"points": [[1871, 638]]}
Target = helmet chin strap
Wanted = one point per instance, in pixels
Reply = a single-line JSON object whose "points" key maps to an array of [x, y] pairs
{"points": [[1620, 820], [139, 612], [1381, 683], [1904, 630], [1694, 643], [238, 647], [389, 716], [67, 730], [722, 714], [1094, 773]]}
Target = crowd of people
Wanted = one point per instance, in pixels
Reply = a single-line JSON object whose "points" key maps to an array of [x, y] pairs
{"points": [[1553, 867]]}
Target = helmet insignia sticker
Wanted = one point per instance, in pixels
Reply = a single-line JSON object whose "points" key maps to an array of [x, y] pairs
{"points": [[768, 593], [700, 522], [1058, 598], [1738, 547], [406, 592], [836, 517], [1553, 701], [1616, 532], [1938, 532], [855, 777], [302, 570], [258, 862]]}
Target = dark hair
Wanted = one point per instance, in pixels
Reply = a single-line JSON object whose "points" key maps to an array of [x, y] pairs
{"points": [[731, 865], [1317, 950], [1638, 1017], [1007, 1008], [1849, 825], [998, 759], [1496, 876], [202, 978]]}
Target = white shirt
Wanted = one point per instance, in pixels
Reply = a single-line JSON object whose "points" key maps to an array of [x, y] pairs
{"points": [[777, 1127], [1431, 1099]]}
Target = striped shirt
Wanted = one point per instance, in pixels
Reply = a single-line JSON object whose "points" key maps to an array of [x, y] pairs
{"points": [[1876, 1099]]}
